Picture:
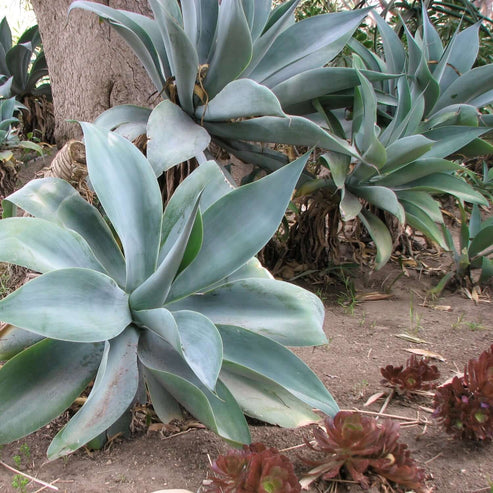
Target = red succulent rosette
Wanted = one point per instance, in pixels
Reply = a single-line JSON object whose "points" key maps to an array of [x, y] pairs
{"points": [[417, 375], [464, 406], [360, 446], [254, 469]]}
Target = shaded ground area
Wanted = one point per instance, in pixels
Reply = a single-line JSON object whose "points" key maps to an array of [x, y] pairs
{"points": [[362, 339]]}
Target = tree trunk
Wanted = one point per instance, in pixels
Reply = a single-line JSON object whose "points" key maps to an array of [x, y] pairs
{"points": [[90, 66]]}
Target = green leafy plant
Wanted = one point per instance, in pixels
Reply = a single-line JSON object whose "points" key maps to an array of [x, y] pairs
{"points": [[239, 70], [19, 482], [359, 445], [9, 138], [417, 374], [475, 248], [9, 143], [184, 307], [464, 406], [23, 67], [254, 468]]}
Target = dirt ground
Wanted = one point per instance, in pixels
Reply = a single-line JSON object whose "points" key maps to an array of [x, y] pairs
{"points": [[362, 338]]}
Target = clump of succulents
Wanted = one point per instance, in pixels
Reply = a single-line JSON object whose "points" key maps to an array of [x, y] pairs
{"points": [[418, 374], [359, 446], [464, 406], [253, 468]]}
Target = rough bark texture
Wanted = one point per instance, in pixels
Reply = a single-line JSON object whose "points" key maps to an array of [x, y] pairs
{"points": [[90, 66]]}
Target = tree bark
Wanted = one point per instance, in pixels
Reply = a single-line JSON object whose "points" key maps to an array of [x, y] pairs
{"points": [[90, 66]]}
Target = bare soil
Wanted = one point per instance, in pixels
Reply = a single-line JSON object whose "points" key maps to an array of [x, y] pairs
{"points": [[362, 339]]}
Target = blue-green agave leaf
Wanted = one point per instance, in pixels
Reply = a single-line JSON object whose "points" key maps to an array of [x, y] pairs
{"points": [[419, 219], [126, 186], [450, 139], [380, 235], [381, 197], [152, 293], [18, 59], [236, 227], [264, 399], [305, 45], [456, 60], [406, 150], [482, 242], [364, 128], [130, 26], [164, 404], [207, 178], [294, 130], [275, 362], [57, 201], [448, 184], [417, 169], [241, 98], [218, 411], [339, 167], [423, 201], [116, 116], [114, 389], [13, 340], [78, 305], [319, 81], [201, 344], [41, 382], [262, 44], [468, 88], [181, 52], [232, 50], [184, 138], [162, 323], [431, 39], [455, 114], [284, 312], [262, 9], [207, 13], [42, 246], [395, 55], [350, 205]]}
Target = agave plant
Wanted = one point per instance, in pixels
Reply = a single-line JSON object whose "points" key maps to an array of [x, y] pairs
{"points": [[254, 468], [401, 169], [236, 68], [464, 406], [444, 76], [184, 307], [360, 445], [23, 66]]}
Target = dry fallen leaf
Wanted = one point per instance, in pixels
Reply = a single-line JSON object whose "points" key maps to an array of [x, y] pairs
{"points": [[374, 296], [374, 398], [443, 308], [426, 354], [410, 338]]}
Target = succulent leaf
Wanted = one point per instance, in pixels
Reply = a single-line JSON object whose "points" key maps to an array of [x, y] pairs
{"points": [[113, 391], [44, 393]]}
